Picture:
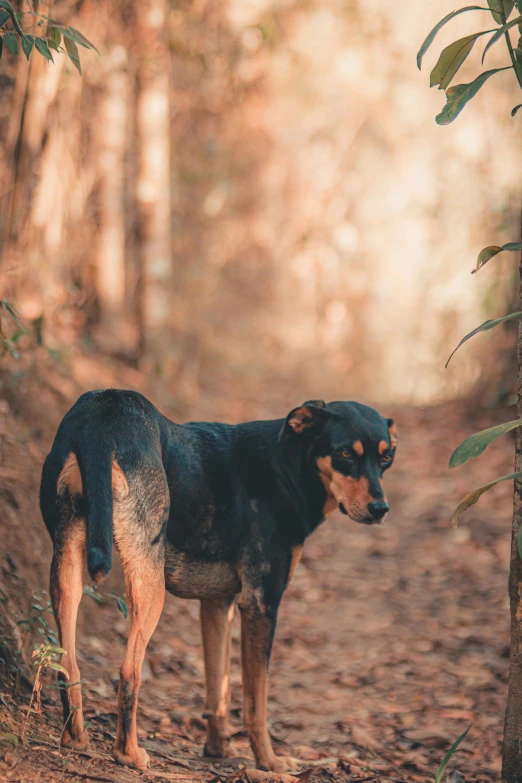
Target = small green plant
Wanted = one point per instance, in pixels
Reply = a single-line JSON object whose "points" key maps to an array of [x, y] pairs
{"points": [[35, 621], [46, 656], [449, 754], [55, 38]]}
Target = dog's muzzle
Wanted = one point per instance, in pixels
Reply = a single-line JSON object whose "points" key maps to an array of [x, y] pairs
{"points": [[377, 511]]}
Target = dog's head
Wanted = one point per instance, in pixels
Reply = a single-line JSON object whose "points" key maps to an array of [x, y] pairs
{"points": [[349, 446]]}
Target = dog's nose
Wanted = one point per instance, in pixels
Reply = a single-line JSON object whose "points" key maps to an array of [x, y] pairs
{"points": [[378, 508]]}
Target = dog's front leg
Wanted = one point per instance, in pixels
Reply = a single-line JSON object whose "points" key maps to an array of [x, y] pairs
{"points": [[258, 623], [216, 629]]}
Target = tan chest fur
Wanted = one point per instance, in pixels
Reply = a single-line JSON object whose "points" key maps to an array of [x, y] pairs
{"points": [[191, 579]]}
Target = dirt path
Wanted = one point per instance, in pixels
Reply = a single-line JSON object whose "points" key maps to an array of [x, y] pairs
{"points": [[390, 643]]}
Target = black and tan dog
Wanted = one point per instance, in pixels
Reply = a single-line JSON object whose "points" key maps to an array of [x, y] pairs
{"points": [[209, 511]]}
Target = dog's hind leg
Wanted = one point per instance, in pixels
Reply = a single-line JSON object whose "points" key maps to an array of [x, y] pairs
{"points": [[216, 629], [66, 592], [139, 532]]}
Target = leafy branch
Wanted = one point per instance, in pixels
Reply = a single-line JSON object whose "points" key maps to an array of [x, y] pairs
{"points": [[59, 38], [453, 56], [446, 68]]}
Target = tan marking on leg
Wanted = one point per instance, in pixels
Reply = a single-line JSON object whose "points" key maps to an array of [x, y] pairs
{"points": [[297, 551], [66, 591], [358, 448], [144, 571], [145, 591], [216, 629], [256, 631], [383, 446], [254, 658]]}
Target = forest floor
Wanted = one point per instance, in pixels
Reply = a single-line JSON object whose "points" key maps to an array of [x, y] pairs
{"points": [[391, 640]]}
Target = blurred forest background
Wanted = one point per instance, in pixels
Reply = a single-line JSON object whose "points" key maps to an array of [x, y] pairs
{"points": [[247, 194]]}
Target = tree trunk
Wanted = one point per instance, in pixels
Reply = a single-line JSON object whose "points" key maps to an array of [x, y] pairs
{"points": [[154, 179], [110, 256], [512, 751]]}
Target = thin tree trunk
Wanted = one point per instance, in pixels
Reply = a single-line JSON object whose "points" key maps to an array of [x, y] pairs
{"points": [[154, 185], [110, 256], [512, 751]]}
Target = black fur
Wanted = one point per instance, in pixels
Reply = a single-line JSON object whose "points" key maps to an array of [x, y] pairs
{"points": [[229, 484]]}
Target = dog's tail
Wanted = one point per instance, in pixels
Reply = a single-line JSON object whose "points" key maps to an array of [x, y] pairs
{"points": [[95, 458]]}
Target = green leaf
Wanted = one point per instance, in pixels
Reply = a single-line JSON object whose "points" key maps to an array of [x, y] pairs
{"points": [[478, 442], [58, 668], [486, 326], [487, 253], [514, 111], [74, 55], [4, 16], [81, 39], [16, 24], [431, 37], [43, 16], [122, 606], [500, 32], [500, 9], [55, 35], [448, 756], [472, 497], [12, 312], [75, 35], [91, 592], [457, 97], [11, 42], [450, 60], [27, 45], [41, 45]]}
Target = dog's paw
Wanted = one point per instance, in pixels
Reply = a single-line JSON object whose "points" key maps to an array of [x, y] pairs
{"points": [[140, 759], [218, 749], [80, 743], [282, 764]]}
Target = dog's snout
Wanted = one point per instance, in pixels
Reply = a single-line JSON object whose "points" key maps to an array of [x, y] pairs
{"points": [[378, 509]]}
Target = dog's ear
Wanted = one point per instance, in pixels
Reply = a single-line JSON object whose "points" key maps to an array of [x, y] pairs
{"points": [[309, 417], [392, 429]]}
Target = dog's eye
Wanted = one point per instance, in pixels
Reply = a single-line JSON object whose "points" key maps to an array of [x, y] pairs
{"points": [[387, 457], [346, 454]]}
